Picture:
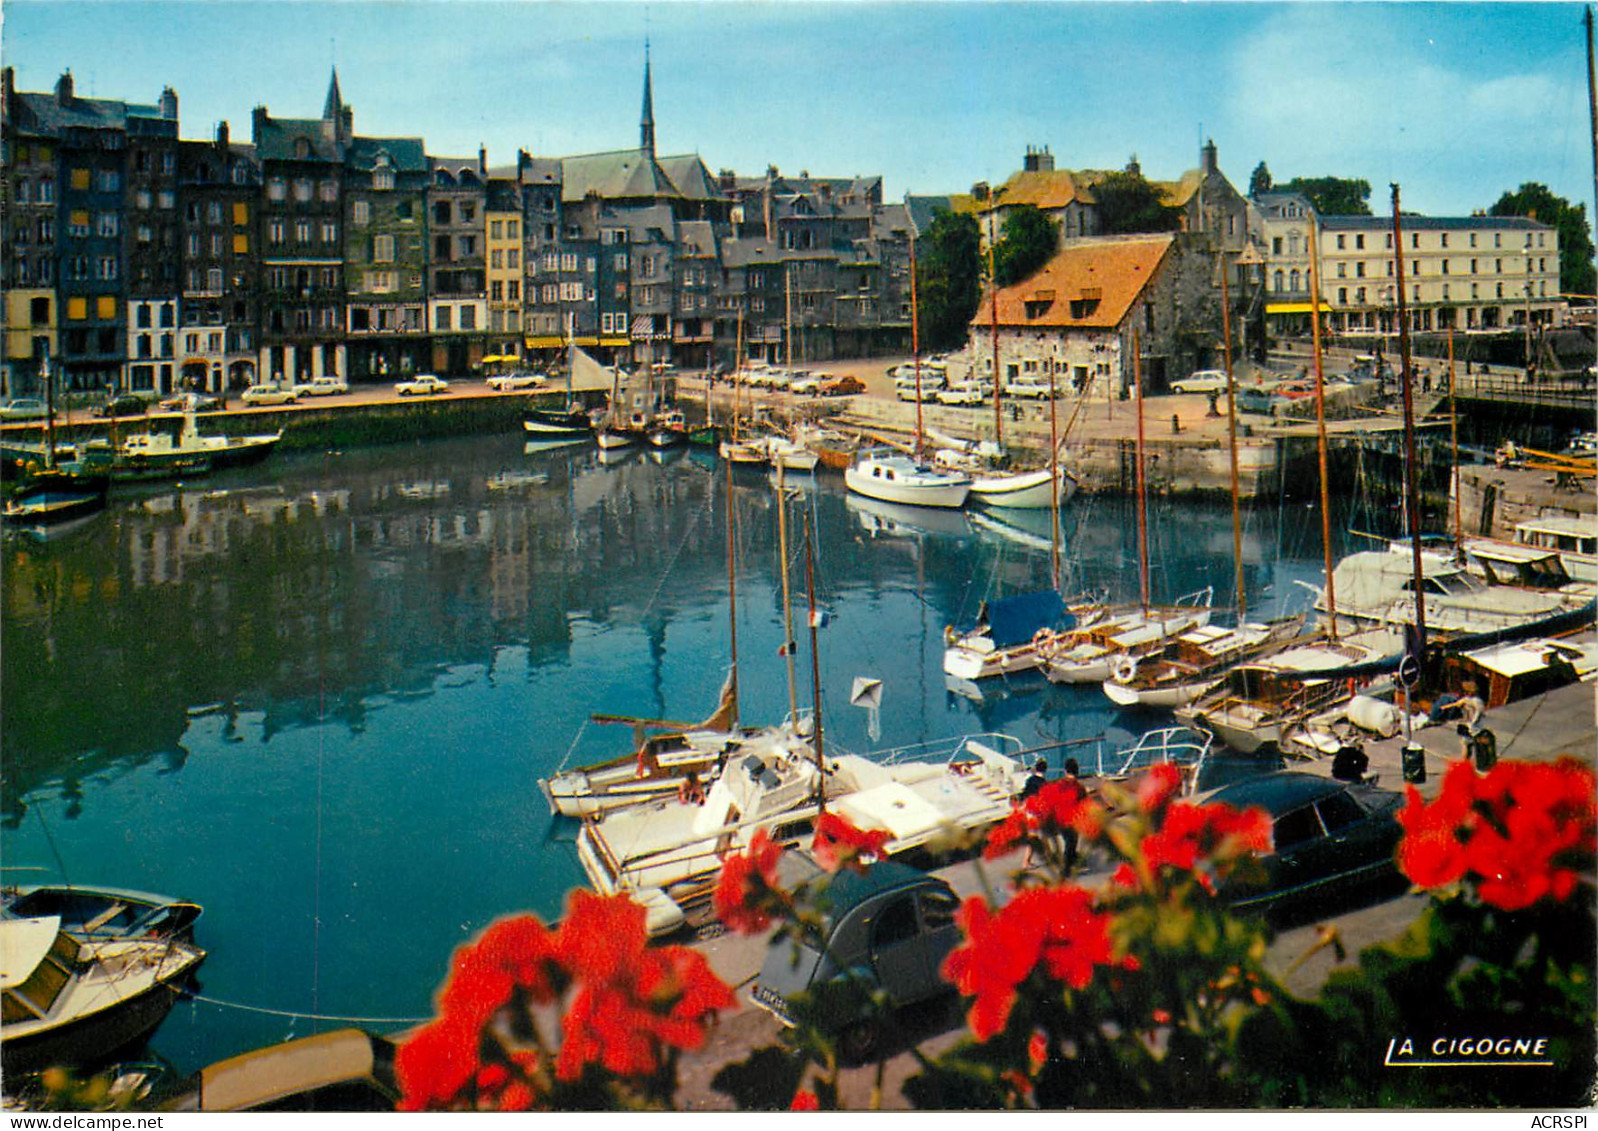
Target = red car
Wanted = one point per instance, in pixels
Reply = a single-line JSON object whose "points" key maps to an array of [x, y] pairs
{"points": [[843, 385], [1293, 390]]}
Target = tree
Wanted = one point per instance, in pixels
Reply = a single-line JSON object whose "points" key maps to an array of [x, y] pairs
{"points": [[1260, 180], [1128, 203], [1030, 240], [948, 279], [1536, 202], [1333, 196]]}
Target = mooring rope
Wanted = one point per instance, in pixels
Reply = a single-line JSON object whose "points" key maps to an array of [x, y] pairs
{"points": [[296, 1014]]}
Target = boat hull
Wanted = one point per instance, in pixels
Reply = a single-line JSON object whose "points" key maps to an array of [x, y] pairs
{"points": [[94, 1038], [611, 439], [970, 663], [1168, 697], [550, 425], [951, 493], [46, 508], [243, 451], [1028, 490]]}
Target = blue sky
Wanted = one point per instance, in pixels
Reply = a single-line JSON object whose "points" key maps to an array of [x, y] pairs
{"points": [[1457, 102]]}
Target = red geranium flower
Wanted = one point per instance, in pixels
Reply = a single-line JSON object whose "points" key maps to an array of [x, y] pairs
{"points": [[1055, 928], [1004, 836], [838, 844], [1062, 805], [1196, 838], [1157, 786], [601, 935], [1524, 831], [435, 1065], [742, 894], [805, 1100]]}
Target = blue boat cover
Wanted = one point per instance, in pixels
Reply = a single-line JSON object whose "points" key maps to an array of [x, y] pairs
{"points": [[1015, 620]]}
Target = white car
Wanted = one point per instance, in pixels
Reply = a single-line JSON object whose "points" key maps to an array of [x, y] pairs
{"points": [[270, 394], [1027, 387], [322, 387], [1201, 381], [24, 408], [513, 382], [963, 393], [424, 385], [804, 383]]}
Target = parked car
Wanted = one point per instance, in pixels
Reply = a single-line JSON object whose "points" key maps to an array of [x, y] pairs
{"points": [[907, 392], [1200, 381], [516, 382], [963, 393], [1295, 390], [423, 385], [843, 385], [805, 384], [125, 405], [1027, 387], [887, 929], [190, 402], [270, 394], [23, 408], [1328, 835], [322, 387]]}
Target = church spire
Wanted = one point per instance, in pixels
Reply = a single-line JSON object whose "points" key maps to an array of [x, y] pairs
{"points": [[333, 108], [646, 126]]}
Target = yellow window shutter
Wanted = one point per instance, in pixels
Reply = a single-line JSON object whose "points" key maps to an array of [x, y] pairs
{"points": [[80, 178], [78, 308], [241, 213], [81, 218], [241, 244], [105, 306]]}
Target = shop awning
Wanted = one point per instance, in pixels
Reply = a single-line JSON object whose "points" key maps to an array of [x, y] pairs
{"points": [[1291, 307], [621, 341], [545, 342]]}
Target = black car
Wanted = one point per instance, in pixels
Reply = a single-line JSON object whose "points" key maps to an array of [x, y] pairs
{"points": [[887, 930], [125, 405], [1328, 835]]}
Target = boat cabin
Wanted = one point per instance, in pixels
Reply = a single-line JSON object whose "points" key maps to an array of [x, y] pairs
{"points": [[37, 960], [1572, 535], [1507, 673], [1523, 566]]}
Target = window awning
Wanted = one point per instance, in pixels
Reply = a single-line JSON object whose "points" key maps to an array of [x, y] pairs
{"points": [[544, 342]]}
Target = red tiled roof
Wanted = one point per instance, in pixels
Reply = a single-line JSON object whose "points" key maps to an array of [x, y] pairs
{"points": [[1090, 284]]}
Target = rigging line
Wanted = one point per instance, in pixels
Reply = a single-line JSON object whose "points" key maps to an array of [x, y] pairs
{"points": [[299, 1015], [677, 553], [572, 749], [54, 851]]}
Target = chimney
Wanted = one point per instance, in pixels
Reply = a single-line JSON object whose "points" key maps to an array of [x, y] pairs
{"points": [[1207, 160], [169, 103], [980, 190], [523, 159], [482, 160], [8, 87], [257, 124], [1038, 160], [63, 89], [726, 180], [222, 135]]}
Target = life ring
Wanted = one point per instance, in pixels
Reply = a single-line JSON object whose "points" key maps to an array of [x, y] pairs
{"points": [[1124, 669], [1042, 638]]}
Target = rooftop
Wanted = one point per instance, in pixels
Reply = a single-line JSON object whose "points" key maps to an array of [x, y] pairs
{"points": [[1091, 283]]}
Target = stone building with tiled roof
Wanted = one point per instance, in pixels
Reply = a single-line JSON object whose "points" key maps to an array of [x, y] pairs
{"points": [[1076, 317], [387, 257]]}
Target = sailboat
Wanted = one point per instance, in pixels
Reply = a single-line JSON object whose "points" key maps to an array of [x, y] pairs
{"points": [[735, 449], [569, 423], [1121, 633], [894, 477]]}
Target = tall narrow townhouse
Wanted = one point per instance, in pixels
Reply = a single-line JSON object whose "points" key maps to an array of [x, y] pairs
{"points": [[150, 246], [385, 252], [302, 296], [504, 246], [698, 266], [28, 268], [457, 200], [539, 180], [219, 183]]}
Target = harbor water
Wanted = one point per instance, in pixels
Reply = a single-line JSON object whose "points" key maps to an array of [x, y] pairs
{"points": [[316, 696]]}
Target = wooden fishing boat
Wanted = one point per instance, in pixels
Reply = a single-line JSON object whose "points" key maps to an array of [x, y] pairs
{"points": [[89, 913]]}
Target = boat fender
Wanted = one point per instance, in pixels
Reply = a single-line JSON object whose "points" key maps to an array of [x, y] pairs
{"points": [[1374, 715], [1124, 669]]}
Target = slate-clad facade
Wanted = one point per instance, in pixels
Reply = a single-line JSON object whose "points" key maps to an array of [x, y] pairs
{"points": [[386, 181]]}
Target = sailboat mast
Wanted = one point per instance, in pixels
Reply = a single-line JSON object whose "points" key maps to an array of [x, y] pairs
{"points": [[1142, 486], [571, 361], [1592, 104], [787, 316], [815, 672], [1453, 443], [1411, 486], [732, 590], [48, 377], [1320, 423], [787, 597], [1054, 483], [993, 281], [1231, 441], [915, 339], [737, 371]]}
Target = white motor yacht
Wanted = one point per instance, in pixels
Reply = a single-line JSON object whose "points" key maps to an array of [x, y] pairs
{"points": [[896, 478]]}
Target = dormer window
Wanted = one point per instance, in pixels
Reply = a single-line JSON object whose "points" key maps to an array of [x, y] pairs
{"points": [[1038, 303], [302, 148]]}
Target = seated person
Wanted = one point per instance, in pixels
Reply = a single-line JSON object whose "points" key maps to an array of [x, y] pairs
{"points": [[690, 791]]}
